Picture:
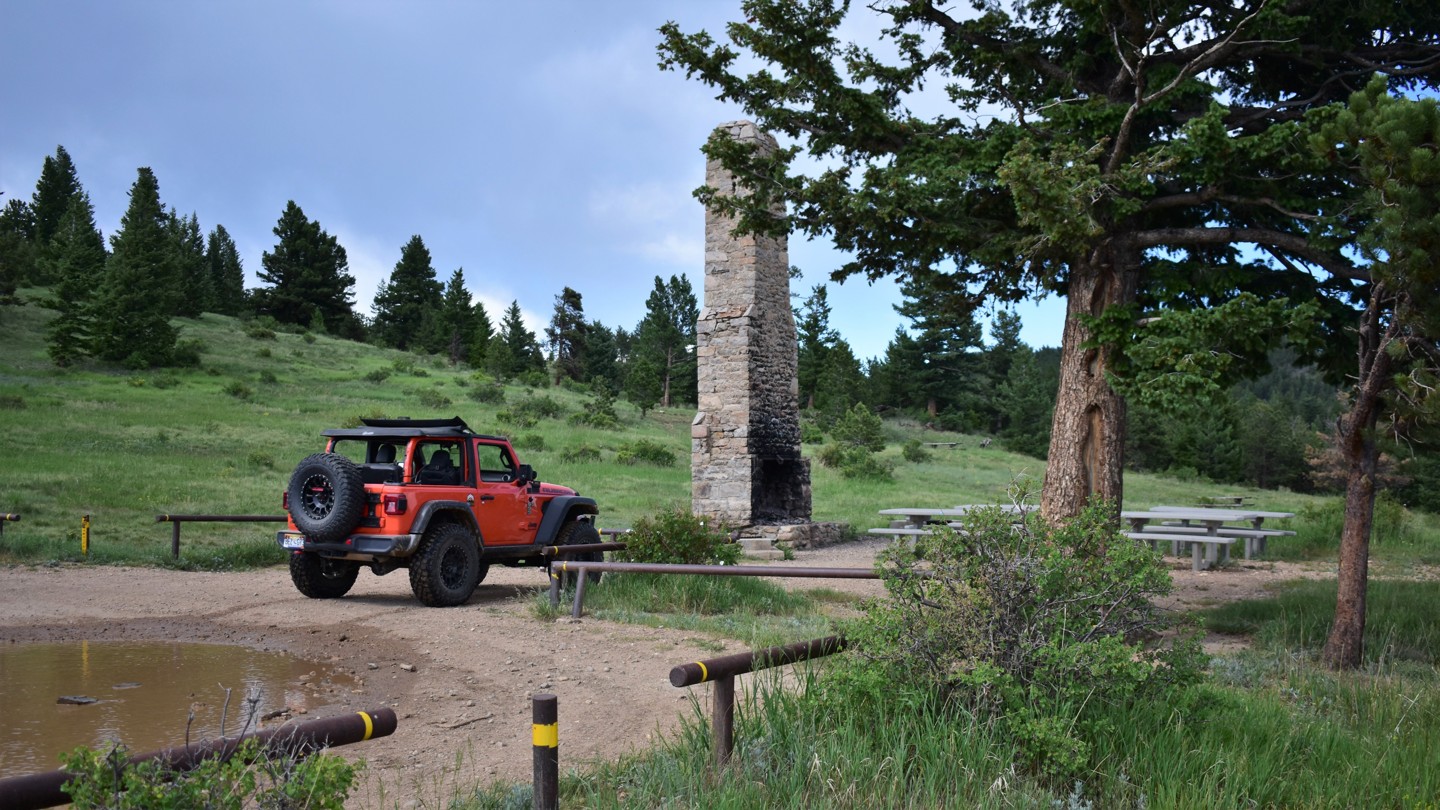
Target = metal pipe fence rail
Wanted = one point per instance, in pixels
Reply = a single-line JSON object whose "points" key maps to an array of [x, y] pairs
{"points": [[722, 671], [563, 551], [176, 520], [40, 790], [582, 567], [7, 517]]}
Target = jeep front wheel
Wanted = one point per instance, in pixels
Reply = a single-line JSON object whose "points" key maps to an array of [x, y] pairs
{"points": [[580, 533], [319, 578], [326, 496], [446, 568]]}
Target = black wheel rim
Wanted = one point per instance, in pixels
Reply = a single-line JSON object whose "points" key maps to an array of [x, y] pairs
{"points": [[452, 568], [317, 497]]}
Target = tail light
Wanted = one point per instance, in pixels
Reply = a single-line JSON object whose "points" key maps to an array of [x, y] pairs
{"points": [[285, 500], [395, 504]]}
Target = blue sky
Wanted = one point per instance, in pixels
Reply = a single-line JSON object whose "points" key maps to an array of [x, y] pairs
{"points": [[536, 145]]}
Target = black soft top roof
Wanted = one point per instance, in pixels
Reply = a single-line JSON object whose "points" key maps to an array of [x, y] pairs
{"points": [[453, 427]]}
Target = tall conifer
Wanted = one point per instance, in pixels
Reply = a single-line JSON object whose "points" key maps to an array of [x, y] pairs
{"points": [[131, 317]]}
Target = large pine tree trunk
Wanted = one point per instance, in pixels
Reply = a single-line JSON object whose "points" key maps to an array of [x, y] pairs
{"points": [[1087, 435]]}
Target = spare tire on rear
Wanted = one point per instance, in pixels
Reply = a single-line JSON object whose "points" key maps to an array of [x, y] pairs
{"points": [[327, 496]]}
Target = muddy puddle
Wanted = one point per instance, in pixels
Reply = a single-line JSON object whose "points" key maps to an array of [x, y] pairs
{"points": [[56, 696]]}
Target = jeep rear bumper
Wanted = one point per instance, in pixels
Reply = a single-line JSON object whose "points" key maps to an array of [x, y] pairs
{"points": [[363, 547]]}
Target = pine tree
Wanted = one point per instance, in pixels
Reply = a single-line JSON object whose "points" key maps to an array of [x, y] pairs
{"points": [[407, 305], [227, 274], [57, 186], [193, 291], [515, 351], [601, 356], [17, 247], [666, 337], [481, 338], [77, 259], [309, 274], [812, 325], [566, 336], [457, 318], [131, 317]]}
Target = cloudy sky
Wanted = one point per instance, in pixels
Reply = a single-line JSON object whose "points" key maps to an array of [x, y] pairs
{"points": [[536, 145]]}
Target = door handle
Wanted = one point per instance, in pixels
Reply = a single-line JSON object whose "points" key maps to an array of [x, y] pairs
{"points": [[484, 498]]}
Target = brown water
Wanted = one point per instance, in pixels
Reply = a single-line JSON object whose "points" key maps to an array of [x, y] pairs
{"points": [[144, 693]]}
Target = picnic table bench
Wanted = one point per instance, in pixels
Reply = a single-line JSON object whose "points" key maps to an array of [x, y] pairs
{"points": [[1206, 551]]}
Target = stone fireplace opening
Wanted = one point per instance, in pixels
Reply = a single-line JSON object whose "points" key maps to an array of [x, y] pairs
{"points": [[781, 491]]}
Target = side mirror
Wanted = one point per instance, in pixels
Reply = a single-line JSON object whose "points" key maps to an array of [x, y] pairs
{"points": [[525, 474]]}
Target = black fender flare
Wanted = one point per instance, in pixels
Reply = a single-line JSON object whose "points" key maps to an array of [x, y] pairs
{"points": [[560, 509], [435, 509]]}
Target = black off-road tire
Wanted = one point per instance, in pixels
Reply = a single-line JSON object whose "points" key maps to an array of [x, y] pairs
{"points": [[579, 533], [446, 568], [319, 578], [326, 496]]}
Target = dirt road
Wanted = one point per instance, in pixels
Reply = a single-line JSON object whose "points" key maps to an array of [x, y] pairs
{"points": [[459, 678]]}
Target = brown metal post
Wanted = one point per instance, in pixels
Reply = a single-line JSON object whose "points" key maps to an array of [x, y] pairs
{"points": [[581, 576], [175, 539], [722, 724], [545, 736]]}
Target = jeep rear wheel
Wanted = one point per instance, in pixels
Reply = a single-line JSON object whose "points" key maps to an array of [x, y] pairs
{"points": [[579, 533], [326, 496], [319, 578], [446, 568]]}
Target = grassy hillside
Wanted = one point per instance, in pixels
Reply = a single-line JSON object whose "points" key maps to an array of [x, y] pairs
{"points": [[125, 446]]}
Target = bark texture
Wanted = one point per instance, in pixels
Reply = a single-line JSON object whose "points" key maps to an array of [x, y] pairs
{"points": [[1087, 451]]}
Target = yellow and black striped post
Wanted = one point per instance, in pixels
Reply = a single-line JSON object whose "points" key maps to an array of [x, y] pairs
{"points": [[85, 536], [545, 734]]}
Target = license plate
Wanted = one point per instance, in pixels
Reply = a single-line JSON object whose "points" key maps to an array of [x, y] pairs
{"points": [[292, 541]]}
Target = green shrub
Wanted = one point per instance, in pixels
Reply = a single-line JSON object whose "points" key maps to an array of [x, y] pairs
{"points": [[187, 353], [432, 399], [676, 536], [582, 453], [403, 365], [164, 380], [308, 337], [259, 459], [543, 406], [1036, 628], [12, 402], [521, 420], [531, 441], [263, 352], [251, 777], [599, 412], [914, 452], [239, 390], [378, 375], [259, 332], [859, 427], [867, 465], [488, 393], [268, 377], [534, 379], [811, 432], [644, 451]]}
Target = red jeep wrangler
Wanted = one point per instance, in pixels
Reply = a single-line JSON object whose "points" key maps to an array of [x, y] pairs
{"points": [[429, 495]]}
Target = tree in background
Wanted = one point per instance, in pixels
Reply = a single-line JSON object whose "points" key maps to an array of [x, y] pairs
{"points": [[309, 276], [132, 315], [665, 338], [816, 338], [77, 264], [1027, 398], [407, 306], [601, 356], [948, 372], [515, 351], [481, 338], [226, 272], [1113, 153], [58, 185], [17, 247], [193, 291], [566, 336], [457, 319]]}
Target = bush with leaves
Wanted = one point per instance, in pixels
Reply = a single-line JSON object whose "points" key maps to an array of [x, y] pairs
{"points": [[542, 406], [1035, 627], [249, 777], [859, 427], [432, 399], [914, 452], [519, 419], [854, 462], [488, 393], [581, 454], [677, 536], [644, 451], [599, 412]]}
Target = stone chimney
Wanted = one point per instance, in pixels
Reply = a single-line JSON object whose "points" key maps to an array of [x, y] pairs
{"points": [[746, 467]]}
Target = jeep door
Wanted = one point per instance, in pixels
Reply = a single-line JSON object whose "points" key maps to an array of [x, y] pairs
{"points": [[504, 508]]}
